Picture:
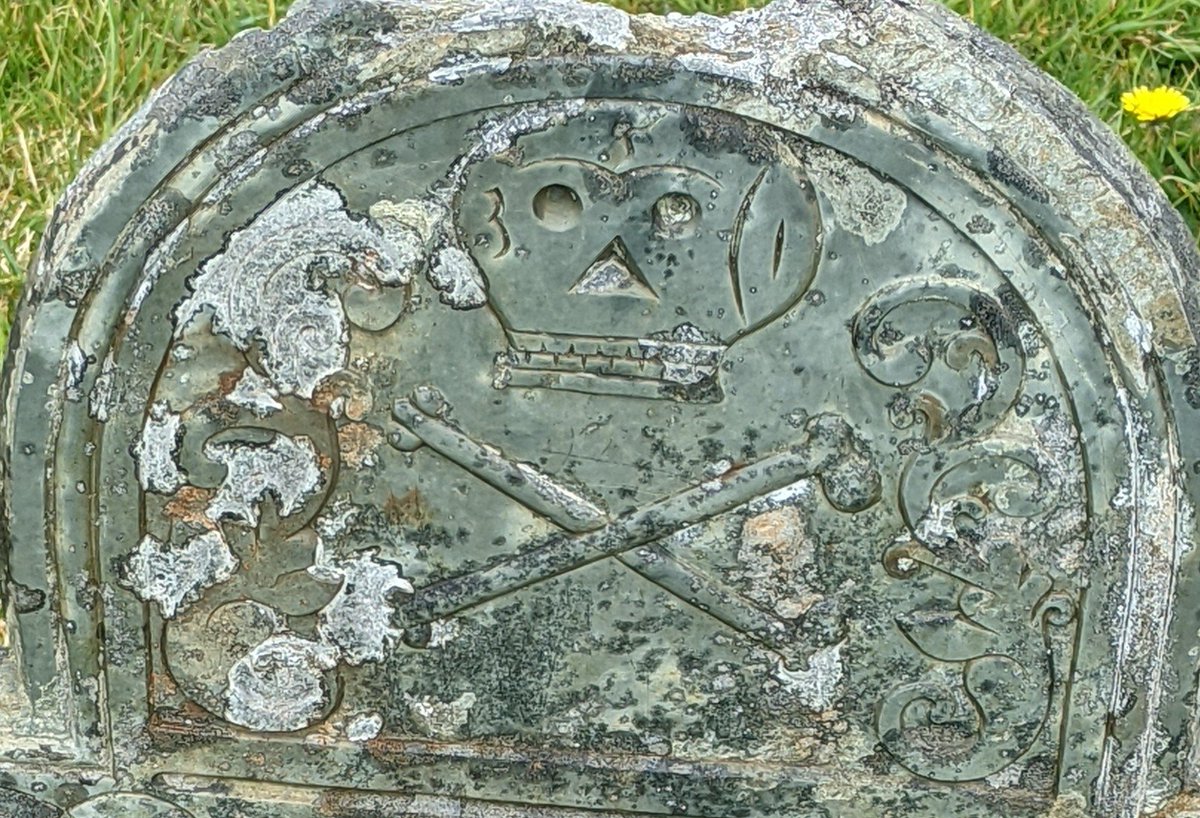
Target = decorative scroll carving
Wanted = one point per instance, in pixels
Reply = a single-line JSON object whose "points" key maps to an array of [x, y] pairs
{"points": [[954, 351], [986, 611], [978, 550], [271, 287]]}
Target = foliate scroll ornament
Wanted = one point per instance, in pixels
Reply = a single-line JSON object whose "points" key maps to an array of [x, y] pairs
{"points": [[265, 598], [262, 649], [291, 283], [954, 354], [979, 562], [256, 590], [238, 547]]}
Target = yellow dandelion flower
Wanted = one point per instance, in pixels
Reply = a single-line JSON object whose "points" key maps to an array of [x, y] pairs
{"points": [[1151, 104]]}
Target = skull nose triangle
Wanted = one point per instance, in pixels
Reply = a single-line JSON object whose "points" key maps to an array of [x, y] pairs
{"points": [[614, 272]]}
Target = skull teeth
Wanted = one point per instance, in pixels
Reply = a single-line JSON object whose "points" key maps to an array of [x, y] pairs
{"points": [[613, 348], [629, 365], [641, 359]]}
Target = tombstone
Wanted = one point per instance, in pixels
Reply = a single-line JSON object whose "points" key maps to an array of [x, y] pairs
{"points": [[521, 409]]}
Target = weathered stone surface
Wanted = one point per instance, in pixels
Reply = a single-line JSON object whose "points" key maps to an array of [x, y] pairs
{"points": [[522, 409]]}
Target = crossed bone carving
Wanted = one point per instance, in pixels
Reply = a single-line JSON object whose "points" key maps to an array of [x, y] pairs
{"points": [[827, 449]]}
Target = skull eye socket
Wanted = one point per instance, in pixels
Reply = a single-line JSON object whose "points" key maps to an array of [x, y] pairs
{"points": [[674, 213], [557, 207]]}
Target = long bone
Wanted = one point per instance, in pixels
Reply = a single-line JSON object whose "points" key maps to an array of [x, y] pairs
{"points": [[540, 493], [828, 449], [565, 507]]}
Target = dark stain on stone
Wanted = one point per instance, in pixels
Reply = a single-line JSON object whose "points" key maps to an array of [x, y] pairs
{"points": [[1005, 170]]}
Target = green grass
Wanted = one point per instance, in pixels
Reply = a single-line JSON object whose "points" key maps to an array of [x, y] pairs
{"points": [[70, 72]]}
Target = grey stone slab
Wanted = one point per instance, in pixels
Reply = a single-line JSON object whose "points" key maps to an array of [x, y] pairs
{"points": [[524, 409]]}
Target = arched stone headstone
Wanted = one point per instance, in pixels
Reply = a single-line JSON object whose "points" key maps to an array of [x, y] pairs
{"points": [[521, 409]]}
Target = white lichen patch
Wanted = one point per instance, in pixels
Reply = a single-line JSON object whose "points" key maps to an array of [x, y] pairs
{"points": [[730, 46], [1060, 465], [280, 685], [157, 449], [454, 71], [808, 30], [439, 719], [455, 274], [863, 204], [338, 516], [357, 621], [688, 354], [77, 362], [174, 576], [102, 396], [816, 688], [364, 726], [413, 225], [602, 26], [501, 133], [256, 393], [443, 631], [1009, 777], [286, 469], [750, 69], [269, 286]]}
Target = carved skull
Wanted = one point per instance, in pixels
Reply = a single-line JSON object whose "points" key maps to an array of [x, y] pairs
{"points": [[623, 257]]}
